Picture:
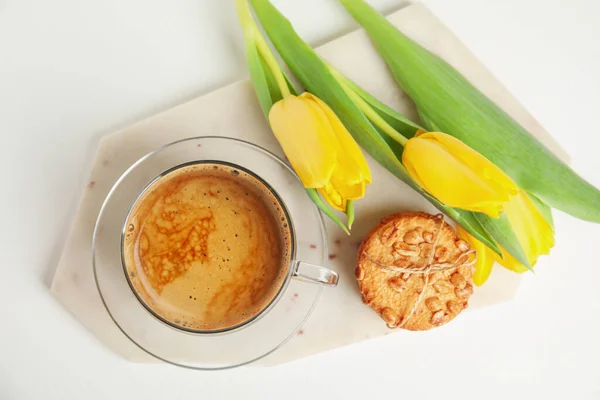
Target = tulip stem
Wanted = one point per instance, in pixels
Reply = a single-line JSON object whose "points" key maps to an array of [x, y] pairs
{"points": [[253, 33], [368, 110], [350, 213], [271, 61]]}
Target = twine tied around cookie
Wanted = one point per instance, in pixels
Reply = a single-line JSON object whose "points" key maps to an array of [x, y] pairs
{"points": [[465, 259]]}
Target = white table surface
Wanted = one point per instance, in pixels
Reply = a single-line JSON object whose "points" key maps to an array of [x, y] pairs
{"points": [[72, 71]]}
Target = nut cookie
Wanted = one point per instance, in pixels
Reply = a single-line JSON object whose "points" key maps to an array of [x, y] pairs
{"points": [[400, 244]]}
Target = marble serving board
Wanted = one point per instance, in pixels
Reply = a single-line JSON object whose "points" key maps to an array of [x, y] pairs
{"points": [[340, 318]]}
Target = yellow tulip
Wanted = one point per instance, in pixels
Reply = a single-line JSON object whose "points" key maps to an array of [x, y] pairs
{"points": [[456, 174], [534, 233], [320, 148], [485, 257]]}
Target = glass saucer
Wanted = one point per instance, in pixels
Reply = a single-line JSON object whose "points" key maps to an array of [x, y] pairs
{"points": [[207, 351]]}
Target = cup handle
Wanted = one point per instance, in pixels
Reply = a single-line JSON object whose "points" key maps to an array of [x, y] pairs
{"points": [[311, 273]]}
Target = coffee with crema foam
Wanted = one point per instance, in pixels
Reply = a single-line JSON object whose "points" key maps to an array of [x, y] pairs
{"points": [[207, 247]]}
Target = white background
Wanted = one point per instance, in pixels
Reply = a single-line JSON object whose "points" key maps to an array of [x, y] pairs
{"points": [[72, 71]]}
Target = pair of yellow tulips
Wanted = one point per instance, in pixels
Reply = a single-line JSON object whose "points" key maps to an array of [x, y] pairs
{"points": [[460, 177], [327, 158]]}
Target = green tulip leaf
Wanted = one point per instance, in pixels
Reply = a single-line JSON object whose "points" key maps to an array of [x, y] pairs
{"points": [[453, 105], [398, 121], [503, 233], [542, 208], [259, 76], [321, 205]]}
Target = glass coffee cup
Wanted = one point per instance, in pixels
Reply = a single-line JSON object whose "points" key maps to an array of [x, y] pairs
{"points": [[275, 323]]}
